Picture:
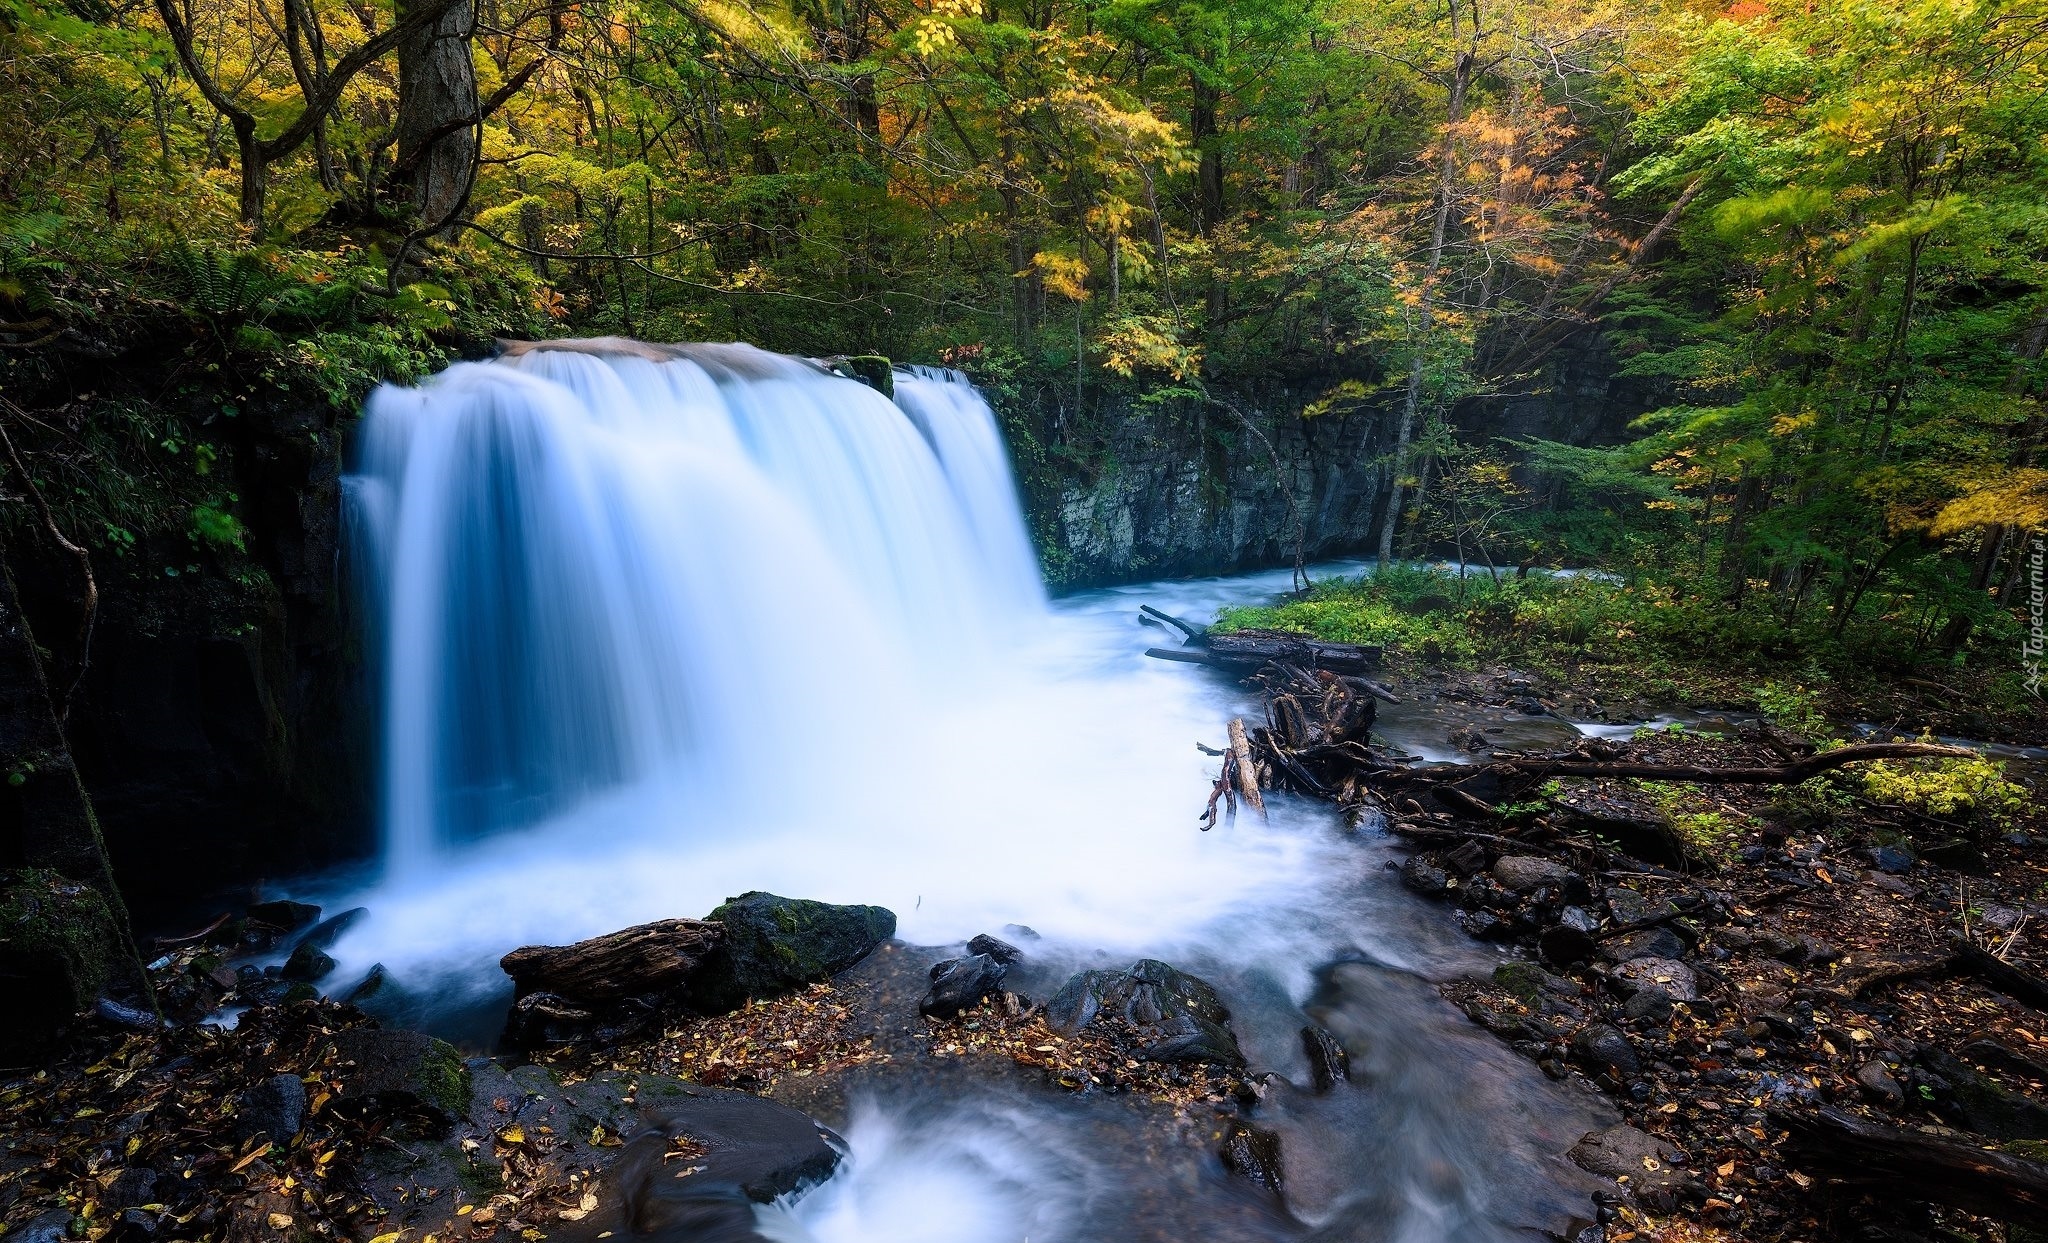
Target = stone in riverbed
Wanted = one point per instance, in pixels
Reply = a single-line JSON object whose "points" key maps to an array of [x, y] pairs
{"points": [[960, 984], [1603, 1047], [1527, 873], [775, 945], [1424, 877], [1877, 1084], [1666, 975], [1645, 943], [1254, 1154], [1180, 1018], [1328, 1063], [1002, 951], [1570, 939], [308, 963], [1653, 1170], [741, 1151]]}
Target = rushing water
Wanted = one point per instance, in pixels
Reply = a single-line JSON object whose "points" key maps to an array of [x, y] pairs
{"points": [[661, 625]]}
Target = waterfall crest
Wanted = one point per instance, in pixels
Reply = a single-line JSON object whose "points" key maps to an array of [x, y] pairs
{"points": [[602, 563]]}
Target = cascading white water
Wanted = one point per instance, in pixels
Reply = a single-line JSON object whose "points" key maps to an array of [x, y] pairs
{"points": [[670, 623], [608, 564]]}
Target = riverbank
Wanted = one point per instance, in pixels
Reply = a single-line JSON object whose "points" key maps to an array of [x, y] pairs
{"points": [[1812, 1002], [1604, 648]]}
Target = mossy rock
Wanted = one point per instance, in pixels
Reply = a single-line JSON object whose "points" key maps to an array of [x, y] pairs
{"points": [[407, 1068], [59, 946], [873, 370], [1522, 980], [775, 945]]}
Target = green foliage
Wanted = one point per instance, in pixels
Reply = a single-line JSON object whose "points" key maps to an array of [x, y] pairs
{"points": [[1794, 709], [1947, 788], [218, 529]]}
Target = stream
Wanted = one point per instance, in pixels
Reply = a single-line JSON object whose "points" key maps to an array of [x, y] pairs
{"points": [[663, 625]]}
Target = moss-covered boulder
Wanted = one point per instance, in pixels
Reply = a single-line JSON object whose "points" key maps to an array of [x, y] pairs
{"points": [[775, 945], [60, 945], [406, 1069]]}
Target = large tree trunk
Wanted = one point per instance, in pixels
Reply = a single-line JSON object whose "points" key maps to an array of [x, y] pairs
{"points": [[437, 106]]}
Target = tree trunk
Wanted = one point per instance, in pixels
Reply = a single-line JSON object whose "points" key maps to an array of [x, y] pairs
{"points": [[1411, 401], [437, 105]]}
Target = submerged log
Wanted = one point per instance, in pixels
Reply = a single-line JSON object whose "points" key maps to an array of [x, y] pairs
{"points": [[1896, 1164], [1247, 651], [633, 962]]}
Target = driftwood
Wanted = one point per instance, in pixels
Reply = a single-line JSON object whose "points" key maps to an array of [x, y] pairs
{"points": [[1851, 1152], [1247, 773], [634, 962]]}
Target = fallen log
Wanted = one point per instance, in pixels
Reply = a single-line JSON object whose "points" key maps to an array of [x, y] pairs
{"points": [[1850, 1152], [1248, 650], [1783, 774], [2014, 982], [633, 962]]}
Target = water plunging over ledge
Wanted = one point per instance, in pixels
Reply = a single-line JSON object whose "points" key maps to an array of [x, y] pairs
{"points": [[658, 625]]}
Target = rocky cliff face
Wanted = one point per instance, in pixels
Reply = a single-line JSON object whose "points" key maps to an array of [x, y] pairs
{"points": [[1175, 492], [1173, 497]]}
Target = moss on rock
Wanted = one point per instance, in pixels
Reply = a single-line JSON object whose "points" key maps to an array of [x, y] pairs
{"points": [[773, 945], [60, 944]]}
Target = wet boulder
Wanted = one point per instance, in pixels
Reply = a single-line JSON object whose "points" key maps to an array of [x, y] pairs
{"points": [[1424, 877], [60, 945], [1253, 1153], [1002, 951], [1604, 1047], [774, 945], [1174, 1016], [324, 934], [1328, 1063], [1652, 1170], [308, 963], [1571, 938], [960, 984], [1527, 873], [404, 1069], [703, 1163]]}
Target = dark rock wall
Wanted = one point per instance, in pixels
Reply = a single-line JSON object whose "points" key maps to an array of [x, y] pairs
{"points": [[1179, 491], [221, 727]]}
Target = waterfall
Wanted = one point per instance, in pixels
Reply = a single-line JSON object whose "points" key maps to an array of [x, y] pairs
{"points": [[596, 564]]}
